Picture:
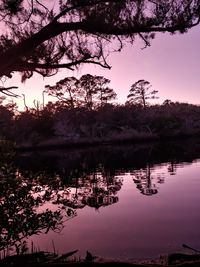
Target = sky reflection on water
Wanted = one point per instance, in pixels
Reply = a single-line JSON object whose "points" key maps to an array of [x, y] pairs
{"points": [[138, 225], [126, 202]]}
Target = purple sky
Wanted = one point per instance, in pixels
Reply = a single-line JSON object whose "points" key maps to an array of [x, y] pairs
{"points": [[171, 65]]}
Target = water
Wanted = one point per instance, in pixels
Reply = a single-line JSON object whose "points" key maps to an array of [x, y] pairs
{"points": [[127, 202]]}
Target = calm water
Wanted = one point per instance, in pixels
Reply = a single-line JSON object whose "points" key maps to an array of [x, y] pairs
{"points": [[127, 202]]}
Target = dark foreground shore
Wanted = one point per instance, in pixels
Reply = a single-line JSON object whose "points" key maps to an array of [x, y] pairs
{"points": [[104, 264], [43, 259], [114, 264]]}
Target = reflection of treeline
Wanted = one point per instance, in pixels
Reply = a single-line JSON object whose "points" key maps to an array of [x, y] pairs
{"points": [[56, 122], [109, 160], [71, 180], [147, 181], [75, 166]]}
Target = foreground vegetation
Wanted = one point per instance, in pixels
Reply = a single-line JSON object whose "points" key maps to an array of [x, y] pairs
{"points": [[42, 259]]}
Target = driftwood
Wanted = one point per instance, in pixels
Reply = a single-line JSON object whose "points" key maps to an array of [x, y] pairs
{"points": [[193, 249], [178, 258]]}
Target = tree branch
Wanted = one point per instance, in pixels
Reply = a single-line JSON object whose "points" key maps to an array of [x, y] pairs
{"points": [[112, 30], [27, 46], [88, 26], [25, 66], [6, 91], [86, 4]]}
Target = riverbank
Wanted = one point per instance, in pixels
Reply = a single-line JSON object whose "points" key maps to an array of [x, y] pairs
{"points": [[52, 144], [82, 142]]}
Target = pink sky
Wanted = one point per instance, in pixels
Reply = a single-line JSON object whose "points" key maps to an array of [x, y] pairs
{"points": [[171, 65]]}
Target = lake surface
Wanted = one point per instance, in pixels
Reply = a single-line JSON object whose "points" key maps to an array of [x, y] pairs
{"points": [[123, 202]]}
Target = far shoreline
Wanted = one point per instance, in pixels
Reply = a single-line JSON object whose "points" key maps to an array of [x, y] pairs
{"points": [[56, 144]]}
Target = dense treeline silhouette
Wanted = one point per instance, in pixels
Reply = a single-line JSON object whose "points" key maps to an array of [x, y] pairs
{"points": [[56, 122]]}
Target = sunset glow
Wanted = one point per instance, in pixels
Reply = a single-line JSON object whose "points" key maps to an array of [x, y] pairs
{"points": [[171, 65]]}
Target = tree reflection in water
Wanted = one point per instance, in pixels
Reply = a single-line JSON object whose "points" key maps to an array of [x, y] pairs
{"points": [[31, 203], [172, 168], [146, 182], [94, 190], [41, 197]]}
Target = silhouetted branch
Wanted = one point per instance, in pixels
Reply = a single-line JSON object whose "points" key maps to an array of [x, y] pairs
{"points": [[34, 66], [84, 28], [6, 91]]}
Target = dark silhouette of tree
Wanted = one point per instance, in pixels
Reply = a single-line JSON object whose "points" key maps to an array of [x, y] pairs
{"points": [[95, 90], [105, 93], [68, 91], [87, 91], [88, 85], [42, 37], [139, 93], [167, 102]]}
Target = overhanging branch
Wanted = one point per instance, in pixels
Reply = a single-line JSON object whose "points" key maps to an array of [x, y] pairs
{"points": [[112, 30], [6, 91], [91, 23], [25, 66], [82, 5]]}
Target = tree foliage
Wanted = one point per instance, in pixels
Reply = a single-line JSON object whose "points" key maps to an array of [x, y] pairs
{"points": [[43, 36], [139, 93], [66, 90], [89, 91]]}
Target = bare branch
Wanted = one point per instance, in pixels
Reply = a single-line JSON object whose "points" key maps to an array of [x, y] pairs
{"points": [[6, 91], [147, 43]]}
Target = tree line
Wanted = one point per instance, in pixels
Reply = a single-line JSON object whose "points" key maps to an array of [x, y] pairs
{"points": [[91, 92], [86, 109]]}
